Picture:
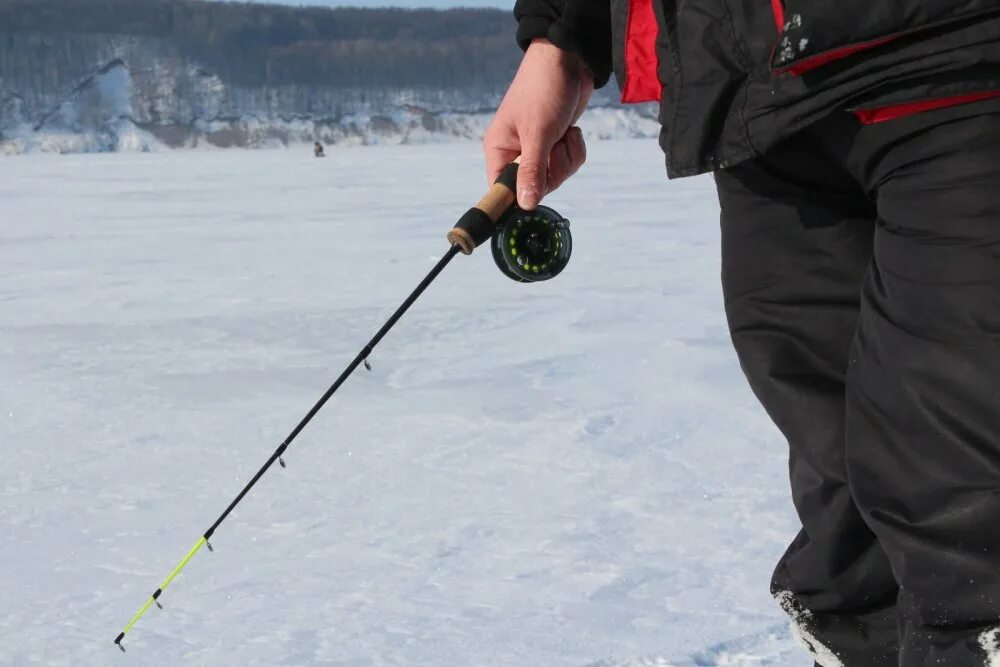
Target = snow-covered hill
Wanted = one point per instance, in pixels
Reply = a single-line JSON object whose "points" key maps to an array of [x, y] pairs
{"points": [[132, 94]]}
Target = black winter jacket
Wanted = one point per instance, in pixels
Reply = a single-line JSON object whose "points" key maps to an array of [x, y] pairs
{"points": [[737, 76]]}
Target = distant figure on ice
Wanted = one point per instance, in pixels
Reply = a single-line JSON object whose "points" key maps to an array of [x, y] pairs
{"points": [[318, 150]]}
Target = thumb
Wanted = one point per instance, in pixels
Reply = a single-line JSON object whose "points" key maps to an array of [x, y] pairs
{"points": [[531, 173]]}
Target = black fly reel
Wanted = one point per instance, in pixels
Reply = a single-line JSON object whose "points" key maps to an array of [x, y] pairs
{"points": [[528, 246], [532, 246]]}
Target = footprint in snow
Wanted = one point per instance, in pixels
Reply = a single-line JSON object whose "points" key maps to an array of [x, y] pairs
{"points": [[595, 427], [771, 647]]}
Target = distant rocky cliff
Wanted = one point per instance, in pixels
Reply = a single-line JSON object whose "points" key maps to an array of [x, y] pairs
{"points": [[135, 87]]}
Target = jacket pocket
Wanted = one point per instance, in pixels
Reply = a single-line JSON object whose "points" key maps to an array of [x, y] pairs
{"points": [[814, 33]]}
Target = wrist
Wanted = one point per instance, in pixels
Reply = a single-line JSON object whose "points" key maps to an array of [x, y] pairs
{"points": [[572, 62]]}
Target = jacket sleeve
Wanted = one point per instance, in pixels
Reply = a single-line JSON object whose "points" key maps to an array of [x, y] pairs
{"points": [[582, 27]]}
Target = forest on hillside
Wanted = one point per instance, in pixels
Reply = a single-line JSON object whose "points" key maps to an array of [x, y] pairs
{"points": [[271, 45]]}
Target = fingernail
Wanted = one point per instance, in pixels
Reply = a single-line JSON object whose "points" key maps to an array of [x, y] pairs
{"points": [[528, 197]]}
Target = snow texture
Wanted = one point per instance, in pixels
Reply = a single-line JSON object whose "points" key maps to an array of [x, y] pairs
{"points": [[801, 619], [990, 642], [571, 473]]}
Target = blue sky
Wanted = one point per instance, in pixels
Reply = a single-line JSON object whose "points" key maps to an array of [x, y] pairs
{"points": [[501, 4]]}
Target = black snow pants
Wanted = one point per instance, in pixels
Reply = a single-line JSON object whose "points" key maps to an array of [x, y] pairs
{"points": [[861, 273]]}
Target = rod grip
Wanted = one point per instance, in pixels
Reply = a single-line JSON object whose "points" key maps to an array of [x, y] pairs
{"points": [[479, 222]]}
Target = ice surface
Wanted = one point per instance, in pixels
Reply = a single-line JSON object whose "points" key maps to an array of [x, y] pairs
{"points": [[563, 474]]}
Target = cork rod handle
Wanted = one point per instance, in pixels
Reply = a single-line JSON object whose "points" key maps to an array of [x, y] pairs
{"points": [[479, 223]]}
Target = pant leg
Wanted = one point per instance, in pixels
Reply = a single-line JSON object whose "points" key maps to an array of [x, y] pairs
{"points": [[923, 424], [796, 242]]}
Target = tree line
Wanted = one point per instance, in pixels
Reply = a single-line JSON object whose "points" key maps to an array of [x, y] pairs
{"points": [[253, 44]]}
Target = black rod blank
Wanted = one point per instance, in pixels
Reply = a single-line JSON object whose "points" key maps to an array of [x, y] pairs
{"points": [[361, 358], [358, 360]]}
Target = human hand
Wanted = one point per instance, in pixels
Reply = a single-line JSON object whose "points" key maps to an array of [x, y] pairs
{"points": [[536, 120]]}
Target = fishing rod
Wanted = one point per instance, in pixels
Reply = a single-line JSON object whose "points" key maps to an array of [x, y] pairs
{"points": [[527, 246]]}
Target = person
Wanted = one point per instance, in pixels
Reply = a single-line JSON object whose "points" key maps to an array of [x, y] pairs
{"points": [[318, 150], [855, 147]]}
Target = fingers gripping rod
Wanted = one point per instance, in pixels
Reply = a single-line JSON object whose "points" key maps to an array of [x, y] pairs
{"points": [[473, 229]]}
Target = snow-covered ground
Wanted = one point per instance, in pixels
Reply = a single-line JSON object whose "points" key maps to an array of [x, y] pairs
{"points": [[562, 474]]}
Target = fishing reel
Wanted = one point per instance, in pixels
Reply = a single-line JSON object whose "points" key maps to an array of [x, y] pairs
{"points": [[531, 246], [527, 246]]}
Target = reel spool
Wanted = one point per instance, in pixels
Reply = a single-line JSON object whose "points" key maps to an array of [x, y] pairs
{"points": [[532, 246]]}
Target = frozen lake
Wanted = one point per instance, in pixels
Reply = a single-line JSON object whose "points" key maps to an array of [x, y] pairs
{"points": [[571, 473]]}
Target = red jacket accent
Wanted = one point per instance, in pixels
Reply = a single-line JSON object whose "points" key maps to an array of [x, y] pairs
{"points": [[882, 114], [778, 8], [814, 62], [642, 81]]}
